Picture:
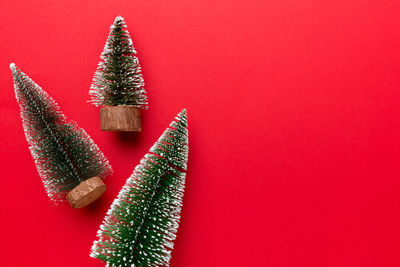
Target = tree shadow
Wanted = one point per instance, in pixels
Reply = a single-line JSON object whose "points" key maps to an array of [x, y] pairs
{"points": [[129, 138], [95, 207]]}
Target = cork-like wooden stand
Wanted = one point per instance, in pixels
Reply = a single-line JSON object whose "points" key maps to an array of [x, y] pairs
{"points": [[120, 119], [86, 192]]}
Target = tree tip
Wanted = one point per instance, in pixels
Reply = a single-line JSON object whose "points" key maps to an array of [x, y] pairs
{"points": [[118, 18], [182, 116], [14, 70]]}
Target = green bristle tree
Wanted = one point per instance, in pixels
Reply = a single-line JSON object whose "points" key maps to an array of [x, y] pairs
{"points": [[118, 79], [142, 222], [64, 154]]}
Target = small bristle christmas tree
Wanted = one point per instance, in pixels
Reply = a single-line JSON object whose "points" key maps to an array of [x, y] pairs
{"points": [[141, 224], [118, 84], [68, 161]]}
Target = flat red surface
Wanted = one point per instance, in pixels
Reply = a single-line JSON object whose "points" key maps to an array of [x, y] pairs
{"points": [[294, 116]]}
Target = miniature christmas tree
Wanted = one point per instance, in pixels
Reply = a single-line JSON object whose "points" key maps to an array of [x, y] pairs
{"points": [[142, 222], [118, 84], [68, 161]]}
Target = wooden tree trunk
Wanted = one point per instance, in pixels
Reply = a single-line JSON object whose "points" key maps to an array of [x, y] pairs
{"points": [[86, 192], [120, 119]]}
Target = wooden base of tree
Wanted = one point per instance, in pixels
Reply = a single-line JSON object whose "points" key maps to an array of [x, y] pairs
{"points": [[120, 119], [86, 192]]}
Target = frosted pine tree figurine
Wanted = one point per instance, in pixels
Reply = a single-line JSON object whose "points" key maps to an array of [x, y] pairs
{"points": [[68, 161], [141, 224], [118, 84]]}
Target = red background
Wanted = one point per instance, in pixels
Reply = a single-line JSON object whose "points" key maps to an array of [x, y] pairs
{"points": [[294, 117]]}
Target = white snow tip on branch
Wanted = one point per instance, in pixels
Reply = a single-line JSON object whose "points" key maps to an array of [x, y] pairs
{"points": [[118, 19], [12, 67]]}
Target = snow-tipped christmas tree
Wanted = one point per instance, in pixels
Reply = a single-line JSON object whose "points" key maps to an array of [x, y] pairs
{"points": [[142, 222], [66, 158], [118, 84]]}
